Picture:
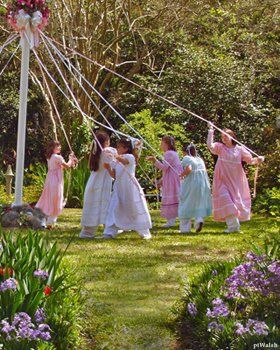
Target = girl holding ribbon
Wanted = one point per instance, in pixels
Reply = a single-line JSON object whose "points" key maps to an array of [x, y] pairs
{"points": [[195, 193], [171, 168], [231, 194], [99, 186], [128, 208], [51, 201]]}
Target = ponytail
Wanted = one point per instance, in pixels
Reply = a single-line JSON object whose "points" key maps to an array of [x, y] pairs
{"points": [[96, 150]]}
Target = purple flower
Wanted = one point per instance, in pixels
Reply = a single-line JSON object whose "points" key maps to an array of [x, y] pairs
{"points": [[192, 309], [215, 326], [258, 327], [220, 309], [6, 327], [41, 274], [275, 268], [247, 278], [255, 258], [40, 315], [23, 328], [9, 284], [240, 329], [214, 272]]}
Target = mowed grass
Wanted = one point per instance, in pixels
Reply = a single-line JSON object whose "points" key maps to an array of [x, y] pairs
{"points": [[131, 285]]}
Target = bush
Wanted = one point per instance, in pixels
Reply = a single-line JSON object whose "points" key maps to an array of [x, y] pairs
{"points": [[39, 298], [268, 202], [31, 194], [233, 305]]}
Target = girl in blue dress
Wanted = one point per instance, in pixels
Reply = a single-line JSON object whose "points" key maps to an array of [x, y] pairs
{"points": [[195, 192]]}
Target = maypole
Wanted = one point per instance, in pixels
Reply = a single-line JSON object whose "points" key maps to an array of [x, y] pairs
{"points": [[27, 18], [21, 135]]}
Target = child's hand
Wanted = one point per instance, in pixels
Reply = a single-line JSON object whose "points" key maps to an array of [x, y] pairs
{"points": [[106, 166], [73, 159], [210, 125], [158, 185], [182, 176], [138, 144], [151, 159], [108, 153], [260, 159]]}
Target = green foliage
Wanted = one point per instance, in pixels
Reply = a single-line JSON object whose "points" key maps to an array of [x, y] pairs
{"points": [[75, 184], [21, 255], [211, 284], [31, 194], [268, 202]]}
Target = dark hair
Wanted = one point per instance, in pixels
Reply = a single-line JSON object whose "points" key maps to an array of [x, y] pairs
{"points": [[170, 141], [127, 143], [50, 148], [232, 134], [190, 149], [96, 150], [185, 147]]}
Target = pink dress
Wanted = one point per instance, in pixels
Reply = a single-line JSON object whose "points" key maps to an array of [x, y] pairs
{"points": [[231, 193], [51, 200], [171, 167]]}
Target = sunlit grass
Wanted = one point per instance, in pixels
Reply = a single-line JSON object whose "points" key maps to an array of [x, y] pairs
{"points": [[132, 284]]}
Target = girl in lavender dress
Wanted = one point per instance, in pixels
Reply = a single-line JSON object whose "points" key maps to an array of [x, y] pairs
{"points": [[51, 201], [171, 168]]}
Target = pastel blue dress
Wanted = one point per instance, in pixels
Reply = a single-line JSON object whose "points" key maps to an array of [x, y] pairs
{"points": [[195, 192]]}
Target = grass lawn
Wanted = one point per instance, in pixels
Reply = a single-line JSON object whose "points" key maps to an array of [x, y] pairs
{"points": [[131, 285]]}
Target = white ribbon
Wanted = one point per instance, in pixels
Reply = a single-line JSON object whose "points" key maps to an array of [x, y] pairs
{"points": [[30, 25]]}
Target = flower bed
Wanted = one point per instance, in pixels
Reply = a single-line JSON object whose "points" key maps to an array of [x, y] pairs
{"points": [[39, 302], [234, 305]]}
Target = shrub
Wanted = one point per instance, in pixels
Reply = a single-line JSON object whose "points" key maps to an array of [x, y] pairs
{"points": [[39, 299], [268, 202], [233, 305]]}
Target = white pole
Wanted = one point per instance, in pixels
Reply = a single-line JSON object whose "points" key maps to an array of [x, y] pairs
{"points": [[22, 119]]}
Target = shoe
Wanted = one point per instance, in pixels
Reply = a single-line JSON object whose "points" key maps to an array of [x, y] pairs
{"points": [[147, 237], [106, 237], [86, 235], [170, 223], [198, 227], [232, 229], [184, 232]]}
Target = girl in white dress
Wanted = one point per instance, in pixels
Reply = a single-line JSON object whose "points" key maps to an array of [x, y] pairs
{"points": [[98, 188], [128, 208]]}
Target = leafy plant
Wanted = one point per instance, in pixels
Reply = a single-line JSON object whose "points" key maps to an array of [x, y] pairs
{"points": [[233, 304], [34, 281]]}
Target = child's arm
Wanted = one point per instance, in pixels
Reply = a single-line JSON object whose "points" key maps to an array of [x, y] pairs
{"points": [[67, 165], [186, 172], [111, 171], [122, 160], [160, 165]]}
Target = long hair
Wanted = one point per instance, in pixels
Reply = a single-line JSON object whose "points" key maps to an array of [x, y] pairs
{"points": [[190, 149], [128, 143], [170, 141], [232, 134], [96, 150], [50, 148]]}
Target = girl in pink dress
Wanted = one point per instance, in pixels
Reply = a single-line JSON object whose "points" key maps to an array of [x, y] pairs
{"points": [[231, 194], [51, 200], [171, 168]]}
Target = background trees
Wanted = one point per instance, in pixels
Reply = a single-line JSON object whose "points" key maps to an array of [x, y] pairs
{"points": [[216, 58]]}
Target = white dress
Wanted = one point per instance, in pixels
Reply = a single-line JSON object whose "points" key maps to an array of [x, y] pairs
{"points": [[128, 208], [97, 193]]}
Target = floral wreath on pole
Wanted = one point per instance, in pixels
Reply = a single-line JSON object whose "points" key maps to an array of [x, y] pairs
{"points": [[29, 16]]}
